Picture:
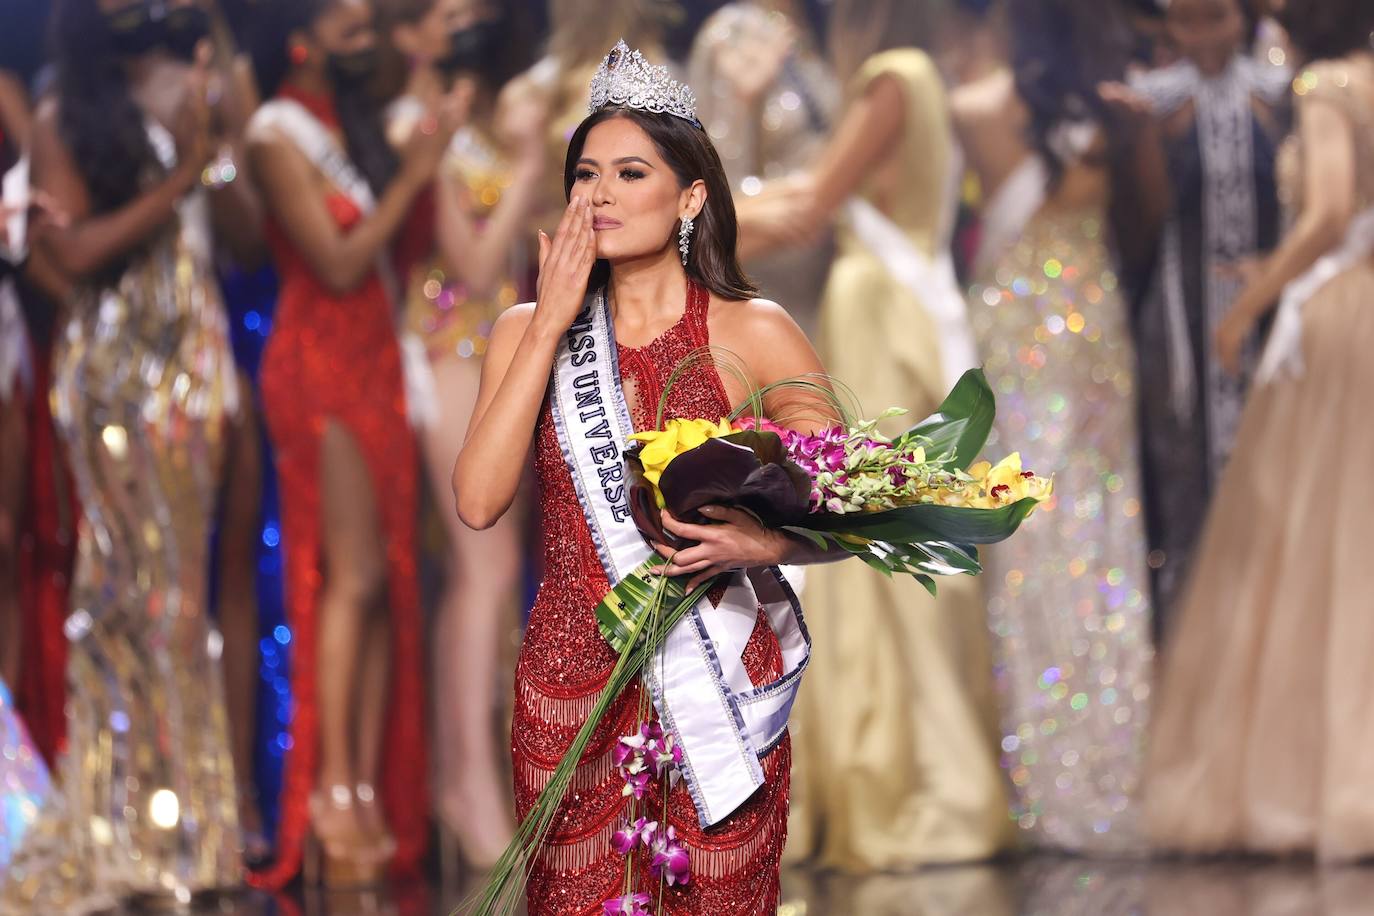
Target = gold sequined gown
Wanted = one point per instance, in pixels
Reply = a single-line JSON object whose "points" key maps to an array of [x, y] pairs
{"points": [[143, 377], [1068, 597], [894, 728], [1264, 737]]}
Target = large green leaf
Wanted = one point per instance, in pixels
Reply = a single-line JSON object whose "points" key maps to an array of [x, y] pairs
{"points": [[961, 426], [925, 523]]}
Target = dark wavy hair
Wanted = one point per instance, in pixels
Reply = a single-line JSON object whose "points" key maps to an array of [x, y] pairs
{"points": [[687, 150], [1323, 29], [360, 113], [98, 118], [1060, 51]]}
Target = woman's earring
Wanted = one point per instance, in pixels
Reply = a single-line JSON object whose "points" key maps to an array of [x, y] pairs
{"points": [[299, 54], [684, 238]]}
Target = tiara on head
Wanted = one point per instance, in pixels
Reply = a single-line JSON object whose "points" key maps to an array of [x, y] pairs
{"points": [[626, 78]]}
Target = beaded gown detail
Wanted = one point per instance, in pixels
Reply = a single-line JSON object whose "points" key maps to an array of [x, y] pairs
{"points": [[564, 664], [143, 381], [334, 358]]}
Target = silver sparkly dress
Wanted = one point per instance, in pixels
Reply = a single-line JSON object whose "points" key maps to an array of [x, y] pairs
{"points": [[143, 379], [1068, 597]]}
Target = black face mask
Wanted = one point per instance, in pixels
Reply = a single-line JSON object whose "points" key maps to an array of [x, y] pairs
{"points": [[185, 28], [135, 30], [476, 49], [352, 70]]}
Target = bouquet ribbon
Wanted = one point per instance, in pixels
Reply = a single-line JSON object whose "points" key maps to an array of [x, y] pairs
{"points": [[700, 688]]}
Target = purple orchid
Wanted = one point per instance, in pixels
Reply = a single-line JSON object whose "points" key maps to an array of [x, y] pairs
{"points": [[628, 905], [670, 862], [641, 832], [665, 755], [636, 784]]}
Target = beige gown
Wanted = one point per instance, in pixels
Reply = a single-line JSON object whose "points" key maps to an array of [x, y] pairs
{"points": [[1264, 734], [895, 727]]}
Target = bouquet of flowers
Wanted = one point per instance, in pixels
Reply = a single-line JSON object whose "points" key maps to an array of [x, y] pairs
{"points": [[916, 504]]}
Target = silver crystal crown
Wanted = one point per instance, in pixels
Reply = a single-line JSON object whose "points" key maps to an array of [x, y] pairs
{"points": [[626, 78]]}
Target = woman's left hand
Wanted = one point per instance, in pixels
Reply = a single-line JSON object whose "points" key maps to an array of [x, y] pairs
{"points": [[1230, 339], [735, 541]]}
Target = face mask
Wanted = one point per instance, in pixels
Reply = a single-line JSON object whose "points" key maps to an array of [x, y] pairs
{"points": [[134, 30], [185, 28], [353, 69], [476, 49]]}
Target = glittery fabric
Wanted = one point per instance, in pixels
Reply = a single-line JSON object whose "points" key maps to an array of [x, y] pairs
{"points": [[449, 319], [564, 664], [1068, 596], [1264, 737], [334, 358], [24, 781], [142, 377]]}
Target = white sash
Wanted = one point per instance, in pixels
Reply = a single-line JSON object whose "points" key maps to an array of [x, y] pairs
{"points": [[294, 121], [14, 348], [932, 281], [698, 680], [1009, 210], [1283, 353]]}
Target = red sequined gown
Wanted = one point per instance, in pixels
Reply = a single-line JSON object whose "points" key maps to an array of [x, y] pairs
{"points": [[335, 357], [565, 663]]}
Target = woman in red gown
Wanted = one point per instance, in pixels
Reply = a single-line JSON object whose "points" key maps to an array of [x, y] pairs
{"points": [[335, 406], [634, 177]]}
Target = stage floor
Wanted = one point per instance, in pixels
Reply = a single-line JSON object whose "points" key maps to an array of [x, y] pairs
{"points": [[1037, 886]]}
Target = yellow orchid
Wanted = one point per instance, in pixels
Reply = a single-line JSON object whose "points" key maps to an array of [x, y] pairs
{"points": [[677, 436], [1005, 483]]}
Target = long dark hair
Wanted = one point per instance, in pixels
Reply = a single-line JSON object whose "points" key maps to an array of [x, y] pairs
{"points": [[360, 114], [1324, 29], [1061, 50], [687, 150], [98, 118]]}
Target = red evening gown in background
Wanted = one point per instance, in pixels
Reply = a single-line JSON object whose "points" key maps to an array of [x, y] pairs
{"points": [[335, 357], [47, 553], [564, 664]]}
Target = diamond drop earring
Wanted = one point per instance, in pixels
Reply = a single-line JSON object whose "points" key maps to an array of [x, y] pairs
{"points": [[684, 238]]}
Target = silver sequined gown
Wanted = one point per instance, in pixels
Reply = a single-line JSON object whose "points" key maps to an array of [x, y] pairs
{"points": [[142, 383], [1068, 596]]}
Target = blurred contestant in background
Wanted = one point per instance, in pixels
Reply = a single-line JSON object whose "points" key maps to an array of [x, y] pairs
{"points": [[143, 384], [1068, 603], [1213, 117], [768, 97], [894, 330], [336, 408], [488, 182], [1264, 737]]}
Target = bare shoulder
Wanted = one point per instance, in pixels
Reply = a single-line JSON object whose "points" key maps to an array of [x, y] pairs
{"points": [[764, 335], [988, 98], [757, 320], [513, 321]]}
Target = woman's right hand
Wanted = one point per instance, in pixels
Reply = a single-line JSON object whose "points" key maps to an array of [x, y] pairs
{"points": [[191, 127], [430, 139], [565, 266]]}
